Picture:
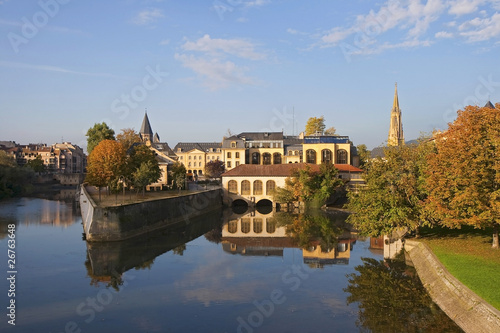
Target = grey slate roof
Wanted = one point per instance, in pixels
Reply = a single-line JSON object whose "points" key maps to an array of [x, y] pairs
{"points": [[146, 126], [164, 148], [261, 136], [489, 105], [203, 146]]}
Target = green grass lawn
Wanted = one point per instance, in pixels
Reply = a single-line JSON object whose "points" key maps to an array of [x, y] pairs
{"points": [[467, 254]]}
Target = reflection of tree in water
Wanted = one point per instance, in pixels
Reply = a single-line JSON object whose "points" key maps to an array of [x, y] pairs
{"points": [[179, 250], [391, 298], [310, 229], [114, 280], [214, 235]]}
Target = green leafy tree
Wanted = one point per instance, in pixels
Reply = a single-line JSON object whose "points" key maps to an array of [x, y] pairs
{"points": [[147, 173], [464, 172], [14, 180], [37, 164], [128, 137], [178, 175], [364, 155], [106, 164], [98, 133], [214, 169], [315, 125], [394, 194], [331, 131]]}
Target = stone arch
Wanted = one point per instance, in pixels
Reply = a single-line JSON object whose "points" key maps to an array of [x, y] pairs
{"points": [[232, 186], [311, 156], [245, 187], [342, 156], [326, 156], [270, 186], [257, 187]]}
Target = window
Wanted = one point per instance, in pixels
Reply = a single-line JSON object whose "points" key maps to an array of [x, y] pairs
{"points": [[237, 155], [181, 157], [311, 156], [270, 186], [237, 163], [245, 225], [233, 144], [199, 164], [266, 158], [228, 154], [341, 156], [189, 157], [232, 186], [257, 225], [276, 158], [199, 157], [228, 164], [245, 187], [257, 187], [255, 158], [326, 156], [189, 164], [232, 226], [270, 226]]}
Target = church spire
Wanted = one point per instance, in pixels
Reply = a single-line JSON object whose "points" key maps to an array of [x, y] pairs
{"points": [[146, 132], [396, 137]]}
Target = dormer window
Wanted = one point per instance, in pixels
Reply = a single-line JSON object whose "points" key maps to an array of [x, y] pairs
{"points": [[233, 144]]}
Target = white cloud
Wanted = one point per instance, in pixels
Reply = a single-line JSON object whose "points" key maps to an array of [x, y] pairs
{"points": [[165, 42], [147, 16], [443, 34], [237, 47], [462, 7], [215, 73], [256, 3], [477, 30], [49, 68]]}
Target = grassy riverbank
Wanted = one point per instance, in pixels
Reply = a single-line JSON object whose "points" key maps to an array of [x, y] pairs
{"points": [[467, 254]]}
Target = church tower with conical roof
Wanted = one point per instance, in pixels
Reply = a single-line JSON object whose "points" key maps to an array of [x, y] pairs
{"points": [[146, 132], [396, 137]]}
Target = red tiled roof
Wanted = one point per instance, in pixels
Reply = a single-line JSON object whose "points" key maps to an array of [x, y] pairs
{"points": [[279, 170]]}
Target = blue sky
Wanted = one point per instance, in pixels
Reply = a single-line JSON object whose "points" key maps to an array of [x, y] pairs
{"points": [[203, 67]]}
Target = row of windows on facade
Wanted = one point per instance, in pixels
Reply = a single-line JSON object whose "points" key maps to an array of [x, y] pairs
{"points": [[232, 187], [246, 225], [199, 157], [234, 144]]}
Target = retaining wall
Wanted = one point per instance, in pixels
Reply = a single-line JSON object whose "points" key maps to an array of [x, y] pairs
{"points": [[122, 222], [468, 310]]}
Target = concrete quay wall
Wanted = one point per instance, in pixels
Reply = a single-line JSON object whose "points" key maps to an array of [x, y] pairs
{"points": [[123, 222], [468, 310]]}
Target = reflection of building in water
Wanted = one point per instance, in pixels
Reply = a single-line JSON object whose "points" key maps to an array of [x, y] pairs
{"points": [[56, 213], [390, 246], [316, 256], [256, 234]]}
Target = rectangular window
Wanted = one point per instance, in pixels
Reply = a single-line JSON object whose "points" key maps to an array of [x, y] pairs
{"points": [[228, 154], [229, 164], [189, 157], [237, 163], [233, 144], [237, 155]]}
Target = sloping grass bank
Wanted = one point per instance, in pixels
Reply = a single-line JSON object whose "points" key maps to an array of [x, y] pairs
{"points": [[467, 255]]}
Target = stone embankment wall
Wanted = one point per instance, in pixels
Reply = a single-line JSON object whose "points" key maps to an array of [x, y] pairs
{"points": [[469, 311], [126, 221]]}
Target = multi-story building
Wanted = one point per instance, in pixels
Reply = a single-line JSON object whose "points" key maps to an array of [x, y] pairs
{"points": [[195, 155]]}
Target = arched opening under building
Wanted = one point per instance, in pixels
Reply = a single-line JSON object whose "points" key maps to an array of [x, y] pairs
{"points": [[239, 206], [264, 206]]}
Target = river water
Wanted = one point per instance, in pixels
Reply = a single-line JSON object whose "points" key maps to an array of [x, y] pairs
{"points": [[225, 272]]}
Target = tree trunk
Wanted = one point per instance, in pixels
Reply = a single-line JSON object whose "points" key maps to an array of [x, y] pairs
{"points": [[495, 236], [99, 194]]}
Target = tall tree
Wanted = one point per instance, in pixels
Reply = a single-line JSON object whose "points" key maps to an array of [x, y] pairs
{"points": [[315, 125], [364, 155], [142, 167], [37, 164], [331, 131], [214, 168], [106, 164], [464, 172], [178, 175], [394, 194], [97, 133], [147, 173], [128, 137]]}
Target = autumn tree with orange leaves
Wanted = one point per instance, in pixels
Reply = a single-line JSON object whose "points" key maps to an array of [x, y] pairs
{"points": [[464, 173], [106, 163]]}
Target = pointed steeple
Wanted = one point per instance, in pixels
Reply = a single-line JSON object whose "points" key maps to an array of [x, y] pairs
{"points": [[146, 132], [489, 105], [396, 137]]}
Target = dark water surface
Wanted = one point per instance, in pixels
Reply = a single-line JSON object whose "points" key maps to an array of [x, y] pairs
{"points": [[226, 272]]}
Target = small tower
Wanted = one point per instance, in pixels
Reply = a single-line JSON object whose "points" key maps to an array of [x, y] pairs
{"points": [[146, 132], [396, 137]]}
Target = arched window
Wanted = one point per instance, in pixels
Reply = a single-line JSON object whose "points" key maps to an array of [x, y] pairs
{"points": [[276, 158], [311, 156], [270, 186], [266, 158], [326, 156], [257, 225], [257, 187], [341, 156], [232, 226], [245, 187], [245, 225], [232, 186], [256, 158], [270, 226]]}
